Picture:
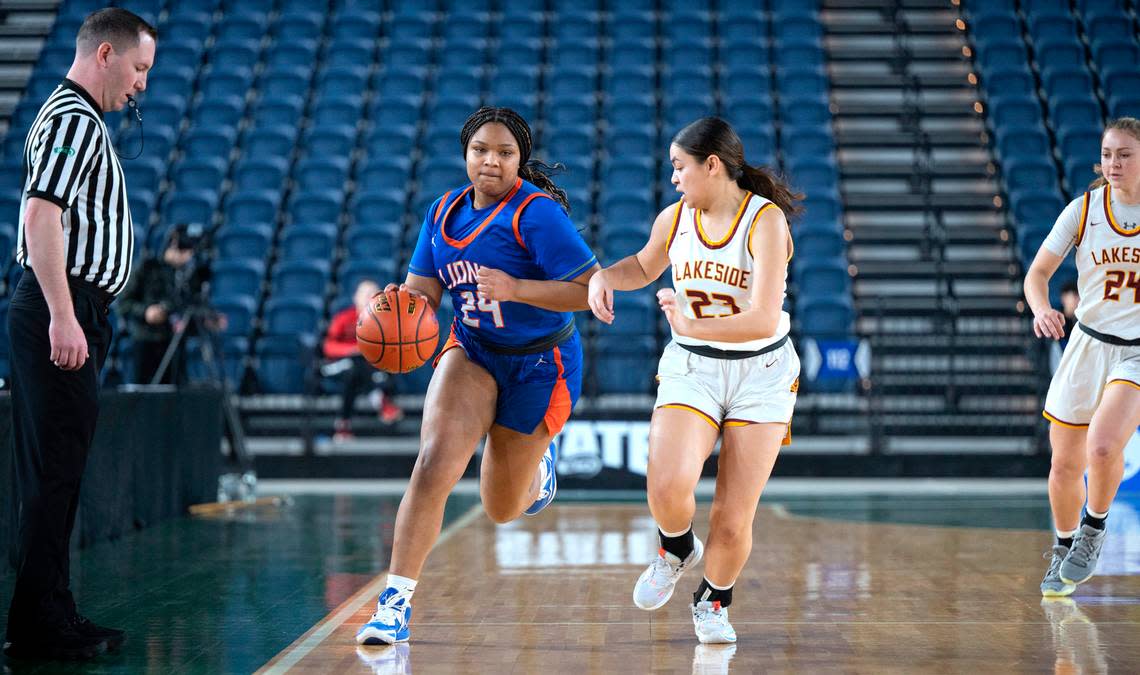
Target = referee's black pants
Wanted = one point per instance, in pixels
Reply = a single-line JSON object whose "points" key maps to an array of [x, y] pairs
{"points": [[53, 423]]}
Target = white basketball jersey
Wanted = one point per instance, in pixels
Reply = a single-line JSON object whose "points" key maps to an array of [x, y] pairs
{"points": [[714, 278], [1108, 269]]}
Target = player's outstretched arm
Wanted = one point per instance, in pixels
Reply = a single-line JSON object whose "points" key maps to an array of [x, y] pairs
{"points": [[556, 296], [635, 271], [771, 248], [1047, 322]]}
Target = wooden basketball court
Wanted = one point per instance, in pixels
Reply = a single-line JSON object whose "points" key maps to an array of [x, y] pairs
{"points": [[552, 595]]}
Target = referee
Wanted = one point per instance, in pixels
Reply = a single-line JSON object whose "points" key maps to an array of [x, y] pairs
{"points": [[75, 244]]}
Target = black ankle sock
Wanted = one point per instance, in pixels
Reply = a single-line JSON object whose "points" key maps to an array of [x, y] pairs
{"points": [[1098, 523], [1067, 542], [680, 546], [707, 592]]}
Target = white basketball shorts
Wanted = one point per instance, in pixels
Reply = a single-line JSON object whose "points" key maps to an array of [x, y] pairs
{"points": [[1087, 367], [755, 390]]}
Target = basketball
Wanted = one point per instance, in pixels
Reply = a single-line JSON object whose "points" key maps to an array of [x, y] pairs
{"points": [[397, 332]]}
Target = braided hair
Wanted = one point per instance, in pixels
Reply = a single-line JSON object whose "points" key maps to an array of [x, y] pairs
{"points": [[531, 170], [714, 136]]}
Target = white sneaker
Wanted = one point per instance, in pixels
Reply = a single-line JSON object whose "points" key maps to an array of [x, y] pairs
{"points": [[389, 624], [711, 623], [655, 585]]}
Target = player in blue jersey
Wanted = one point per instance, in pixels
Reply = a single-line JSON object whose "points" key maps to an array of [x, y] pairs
{"points": [[515, 266]]}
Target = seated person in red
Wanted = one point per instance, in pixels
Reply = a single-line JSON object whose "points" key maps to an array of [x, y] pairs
{"points": [[344, 361]]}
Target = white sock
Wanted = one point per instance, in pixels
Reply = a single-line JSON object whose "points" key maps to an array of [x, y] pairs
{"points": [[675, 534], [404, 585], [1066, 535], [1094, 514], [719, 588]]}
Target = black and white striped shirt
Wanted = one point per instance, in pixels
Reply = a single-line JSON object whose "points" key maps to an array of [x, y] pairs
{"points": [[69, 160]]}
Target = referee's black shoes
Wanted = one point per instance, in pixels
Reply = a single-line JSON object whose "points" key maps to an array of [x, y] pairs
{"points": [[85, 626], [61, 642]]}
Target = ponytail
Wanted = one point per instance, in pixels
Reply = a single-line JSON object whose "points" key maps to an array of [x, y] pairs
{"points": [[538, 173], [1129, 125], [763, 182]]}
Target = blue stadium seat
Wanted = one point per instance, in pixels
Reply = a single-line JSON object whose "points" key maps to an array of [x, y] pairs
{"points": [[214, 112], [1054, 53], [638, 142], [826, 317], [344, 110], [240, 312], [819, 277], [144, 173], [622, 209], [284, 82], [308, 242], [269, 141], [378, 206], [244, 241], [1029, 173], [395, 140], [621, 366], [408, 54], [203, 173], [235, 54], [1051, 26], [373, 243], [212, 142], [295, 278], [384, 173], [1035, 207], [288, 54], [1077, 112], [451, 110], [993, 27], [814, 174], [1124, 105], [278, 110], [630, 25], [342, 81], [236, 278], [1009, 49], [396, 111], [807, 143], [1070, 80], [356, 24], [293, 315], [321, 206], [248, 26], [317, 174], [190, 207], [1015, 112], [353, 272], [252, 207], [187, 25], [818, 245], [329, 141], [627, 173], [260, 173], [283, 362], [1019, 142], [1009, 79], [442, 173], [1078, 175], [297, 28], [222, 82]]}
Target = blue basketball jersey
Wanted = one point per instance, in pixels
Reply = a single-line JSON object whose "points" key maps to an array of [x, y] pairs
{"points": [[526, 235]]}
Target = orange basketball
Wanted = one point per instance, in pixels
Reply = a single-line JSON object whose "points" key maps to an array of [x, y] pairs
{"points": [[397, 332]]}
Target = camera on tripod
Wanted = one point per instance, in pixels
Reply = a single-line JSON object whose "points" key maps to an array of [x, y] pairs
{"points": [[192, 243]]}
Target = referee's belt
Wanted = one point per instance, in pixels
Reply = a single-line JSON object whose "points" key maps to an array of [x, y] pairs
{"points": [[1109, 339], [84, 288], [538, 346], [732, 354]]}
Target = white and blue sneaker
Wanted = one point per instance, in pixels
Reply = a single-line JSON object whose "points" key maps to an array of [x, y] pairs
{"points": [[549, 480], [389, 624]]}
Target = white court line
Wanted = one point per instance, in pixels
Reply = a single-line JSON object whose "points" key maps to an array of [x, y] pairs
{"points": [[317, 634], [776, 487]]}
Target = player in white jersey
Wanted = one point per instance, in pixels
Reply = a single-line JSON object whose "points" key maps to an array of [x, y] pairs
{"points": [[1094, 399], [730, 370]]}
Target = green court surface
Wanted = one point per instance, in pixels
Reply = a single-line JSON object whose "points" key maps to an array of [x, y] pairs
{"points": [[226, 594]]}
